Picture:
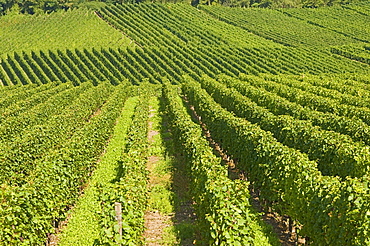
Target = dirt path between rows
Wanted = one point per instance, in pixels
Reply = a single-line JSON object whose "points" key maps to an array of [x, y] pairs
{"points": [[155, 222]]}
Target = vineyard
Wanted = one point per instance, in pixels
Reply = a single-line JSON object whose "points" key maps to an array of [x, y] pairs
{"points": [[34, 33], [203, 121]]}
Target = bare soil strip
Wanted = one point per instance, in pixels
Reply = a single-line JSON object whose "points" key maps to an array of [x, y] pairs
{"points": [[155, 221], [170, 219]]}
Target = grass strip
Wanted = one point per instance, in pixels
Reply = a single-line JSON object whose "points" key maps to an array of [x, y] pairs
{"points": [[83, 226]]}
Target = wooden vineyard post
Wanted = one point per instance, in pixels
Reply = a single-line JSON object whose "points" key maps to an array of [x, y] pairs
{"points": [[118, 210]]}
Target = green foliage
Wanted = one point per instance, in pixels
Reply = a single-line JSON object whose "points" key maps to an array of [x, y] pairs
{"points": [[222, 205], [288, 178], [53, 184], [356, 25], [151, 63], [129, 187], [83, 226], [336, 154], [81, 28], [355, 128], [172, 40], [278, 26], [160, 187], [359, 52], [49, 6], [52, 133], [275, 3]]}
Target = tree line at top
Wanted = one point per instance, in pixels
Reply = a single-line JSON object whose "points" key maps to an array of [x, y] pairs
{"points": [[49, 6]]}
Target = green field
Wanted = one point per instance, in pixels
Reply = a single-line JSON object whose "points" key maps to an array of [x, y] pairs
{"points": [[61, 30], [166, 108]]}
